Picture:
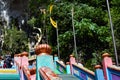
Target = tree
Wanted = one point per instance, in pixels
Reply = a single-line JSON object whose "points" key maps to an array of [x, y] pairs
{"points": [[14, 41], [92, 33]]}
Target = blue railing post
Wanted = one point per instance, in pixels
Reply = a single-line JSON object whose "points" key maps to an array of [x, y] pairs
{"points": [[55, 59], [99, 73], [68, 68]]}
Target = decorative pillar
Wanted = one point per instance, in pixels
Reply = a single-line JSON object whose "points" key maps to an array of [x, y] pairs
{"points": [[72, 61], [107, 61], [99, 73], [24, 62], [44, 59], [17, 63], [55, 59], [17, 60], [68, 68]]}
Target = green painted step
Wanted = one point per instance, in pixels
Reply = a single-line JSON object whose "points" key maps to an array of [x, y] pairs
{"points": [[9, 76], [68, 77], [57, 72]]}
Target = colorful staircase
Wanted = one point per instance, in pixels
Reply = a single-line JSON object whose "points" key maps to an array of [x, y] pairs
{"points": [[51, 68]]}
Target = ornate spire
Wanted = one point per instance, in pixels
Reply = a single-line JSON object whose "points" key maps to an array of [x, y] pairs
{"points": [[43, 49]]}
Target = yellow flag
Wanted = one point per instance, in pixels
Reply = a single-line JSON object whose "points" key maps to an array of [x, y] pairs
{"points": [[51, 6], [53, 22]]}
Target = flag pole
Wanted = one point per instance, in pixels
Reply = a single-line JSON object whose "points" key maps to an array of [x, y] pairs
{"points": [[56, 26], [57, 41], [111, 26], [74, 35]]}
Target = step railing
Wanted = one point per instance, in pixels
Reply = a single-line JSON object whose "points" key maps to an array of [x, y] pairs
{"points": [[78, 70], [61, 67], [108, 71], [114, 73], [111, 72], [23, 67], [82, 73], [48, 74]]}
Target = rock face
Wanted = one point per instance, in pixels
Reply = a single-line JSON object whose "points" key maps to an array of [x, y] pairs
{"points": [[13, 9]]}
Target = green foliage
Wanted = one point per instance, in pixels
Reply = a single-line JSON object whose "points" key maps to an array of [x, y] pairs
{"points": [[15, 41], [32, 21], [92, 33]]}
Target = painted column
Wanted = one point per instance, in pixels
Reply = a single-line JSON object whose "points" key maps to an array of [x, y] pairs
{"points": [[44, 59], [68, 68], [99, 73], [24, 62], [17, 61], [107, 61], [72, 61], [55, 59]]}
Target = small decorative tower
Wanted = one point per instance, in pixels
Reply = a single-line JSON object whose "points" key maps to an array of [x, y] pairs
{"points": [[44, 59]]}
